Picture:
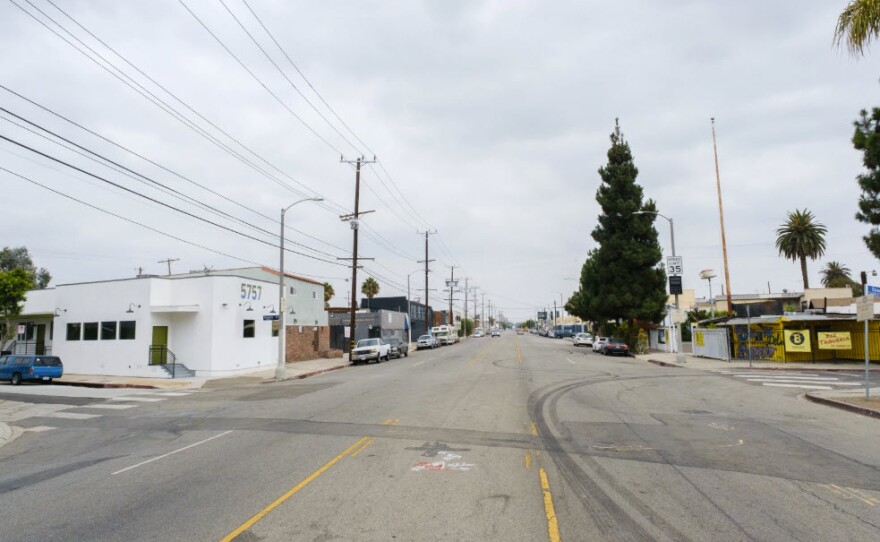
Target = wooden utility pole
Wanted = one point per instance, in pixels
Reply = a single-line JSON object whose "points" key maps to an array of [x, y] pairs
{"points": [[721, 215], [426, 261], [353, 219], [168, 261]]}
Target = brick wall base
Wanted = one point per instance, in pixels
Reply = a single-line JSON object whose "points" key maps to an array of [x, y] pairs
{"points": [[308, 342]]}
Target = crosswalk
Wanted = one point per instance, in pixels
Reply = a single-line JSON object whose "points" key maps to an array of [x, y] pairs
{"points": [[14, 412], [797, 380]]}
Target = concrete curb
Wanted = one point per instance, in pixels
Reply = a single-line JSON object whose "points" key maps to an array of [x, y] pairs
{"points": [[107, 385], [305, 375], [843, 406]]}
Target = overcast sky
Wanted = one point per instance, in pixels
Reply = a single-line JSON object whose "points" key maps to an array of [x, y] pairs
{"points": [[491, 119]]}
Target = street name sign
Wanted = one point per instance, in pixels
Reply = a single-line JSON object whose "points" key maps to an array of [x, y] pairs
{"points": [[270, 317], [872, 290], [674, 266]]}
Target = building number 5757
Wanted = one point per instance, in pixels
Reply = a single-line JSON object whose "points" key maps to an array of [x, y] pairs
{"points": [[250, 291]]}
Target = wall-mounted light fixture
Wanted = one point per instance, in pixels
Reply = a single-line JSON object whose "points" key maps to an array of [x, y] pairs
{"points": [[269, 307], [248, 303], [58, 311], [131, 307]]}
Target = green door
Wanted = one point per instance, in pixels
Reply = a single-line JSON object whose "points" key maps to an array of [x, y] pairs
{"points": [[159, 346]]}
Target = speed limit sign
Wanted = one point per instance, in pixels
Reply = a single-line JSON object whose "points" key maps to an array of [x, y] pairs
{"points": [[673, 266]]}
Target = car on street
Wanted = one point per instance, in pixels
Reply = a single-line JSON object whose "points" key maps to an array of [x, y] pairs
{"points": [[598, 343], [399, 348], [583, 339], [496, 333], [20, 368], [426, 341], [370, 349], [615, 347], [520, 332]]}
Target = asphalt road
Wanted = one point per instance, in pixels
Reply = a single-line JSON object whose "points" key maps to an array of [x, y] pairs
{"points": [[517, 438]]}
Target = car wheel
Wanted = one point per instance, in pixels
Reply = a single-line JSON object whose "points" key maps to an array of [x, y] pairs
{"points": [[16, 379]]}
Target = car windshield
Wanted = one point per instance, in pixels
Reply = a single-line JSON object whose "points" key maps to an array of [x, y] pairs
{"points": [[367, 342], [425, 338], [393, 341]]}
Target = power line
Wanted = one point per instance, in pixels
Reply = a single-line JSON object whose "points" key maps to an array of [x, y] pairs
{"points": [[167, 108], [160, 166], [154, 200], [257, 79]]}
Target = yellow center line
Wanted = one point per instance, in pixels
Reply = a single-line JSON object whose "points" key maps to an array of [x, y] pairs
{"points": [[552, 526], [360, 445], [518, 352], [528, 460]]}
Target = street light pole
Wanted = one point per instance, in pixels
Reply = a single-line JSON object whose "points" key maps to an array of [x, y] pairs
{"points": [[408, 306], [280, 369]]}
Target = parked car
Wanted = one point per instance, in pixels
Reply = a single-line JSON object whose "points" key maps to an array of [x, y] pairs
{"points": [[399, 348], [370, 349], [17, 369], [598, 343], [426, 341], [615, 346], [584, 339], [496, 333]]}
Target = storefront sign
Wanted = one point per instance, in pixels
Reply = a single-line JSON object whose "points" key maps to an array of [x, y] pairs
{"points": [[797, 340], [839, 340]]}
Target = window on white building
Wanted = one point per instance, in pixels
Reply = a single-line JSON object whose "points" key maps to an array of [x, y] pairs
{"points": [[108, 331], [90, 331], [249, 329], [293, 290], [74, 332], [126, 330]]}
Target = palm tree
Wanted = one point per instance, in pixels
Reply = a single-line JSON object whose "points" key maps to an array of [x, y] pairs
{"points": [[328, 294], [801, 237], [835, 273], [370, 288], [857, 25]]}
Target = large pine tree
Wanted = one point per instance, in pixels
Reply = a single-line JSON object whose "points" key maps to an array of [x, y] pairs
{"points": [[867, 139], [622, 279]]}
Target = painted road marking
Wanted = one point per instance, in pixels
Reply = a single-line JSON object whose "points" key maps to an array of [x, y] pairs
{"points": [[802, 386], [70, 415], [170, 393], [570, 360], [789, 377], [528, 460], [40, 428], [137, 399], [849, 493], [142, 463], [552, 524], [108, 407], [295, 489], [805, 382], [518, 353]]}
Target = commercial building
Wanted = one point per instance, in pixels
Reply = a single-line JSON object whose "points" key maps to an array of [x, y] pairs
{"points": [[208, 322]]}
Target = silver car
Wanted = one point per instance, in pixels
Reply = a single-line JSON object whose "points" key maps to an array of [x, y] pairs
{"points": [[426, 341], [584, 339]]}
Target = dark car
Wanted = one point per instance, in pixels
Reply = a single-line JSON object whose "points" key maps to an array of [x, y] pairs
{"points": [[16, 368], [398, 348], [615, 346]]}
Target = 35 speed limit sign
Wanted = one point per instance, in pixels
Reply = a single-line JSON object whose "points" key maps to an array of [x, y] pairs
{"points": [[673, 266]]}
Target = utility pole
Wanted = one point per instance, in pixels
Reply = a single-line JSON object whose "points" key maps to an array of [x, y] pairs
{"points": [[426, 261], [554, 314], [353, 219], [483, 312], [451, 284], [464, 322], [168, 261], [475, 307], [721, 214]]}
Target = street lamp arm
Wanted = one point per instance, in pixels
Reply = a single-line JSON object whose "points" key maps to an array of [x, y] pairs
{"points": [[652, 213]]}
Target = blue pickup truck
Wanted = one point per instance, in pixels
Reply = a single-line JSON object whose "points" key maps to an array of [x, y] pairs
{"points": [[18, 368]]}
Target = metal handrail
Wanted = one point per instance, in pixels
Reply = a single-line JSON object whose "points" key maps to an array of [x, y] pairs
{"points": [[159, 354]]}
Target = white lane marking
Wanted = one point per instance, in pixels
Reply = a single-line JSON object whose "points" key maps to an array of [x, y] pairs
{"points": [[141, 399], [169, 393], [791, 377], [570, 361], [807, 382], [804, 386], [109, 407], [142, 463], [39, 428], [419, 363], [70, 415]]}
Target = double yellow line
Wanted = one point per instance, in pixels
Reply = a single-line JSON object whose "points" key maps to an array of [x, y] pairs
{"points": [[352, 450]]}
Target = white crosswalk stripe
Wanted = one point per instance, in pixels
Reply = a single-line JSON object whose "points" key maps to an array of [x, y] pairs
{"points": [[108, 406], [137, 399], [802, 386], [787, 381]]}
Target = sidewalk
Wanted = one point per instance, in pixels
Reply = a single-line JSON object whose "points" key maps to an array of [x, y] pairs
{"points": [[850, 400], [293, 371]]}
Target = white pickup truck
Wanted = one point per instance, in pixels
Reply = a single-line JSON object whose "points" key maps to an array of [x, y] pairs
{"points": [[370, 349]]}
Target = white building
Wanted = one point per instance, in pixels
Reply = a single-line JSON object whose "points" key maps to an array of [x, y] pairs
{"points": [[213, 323]]}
